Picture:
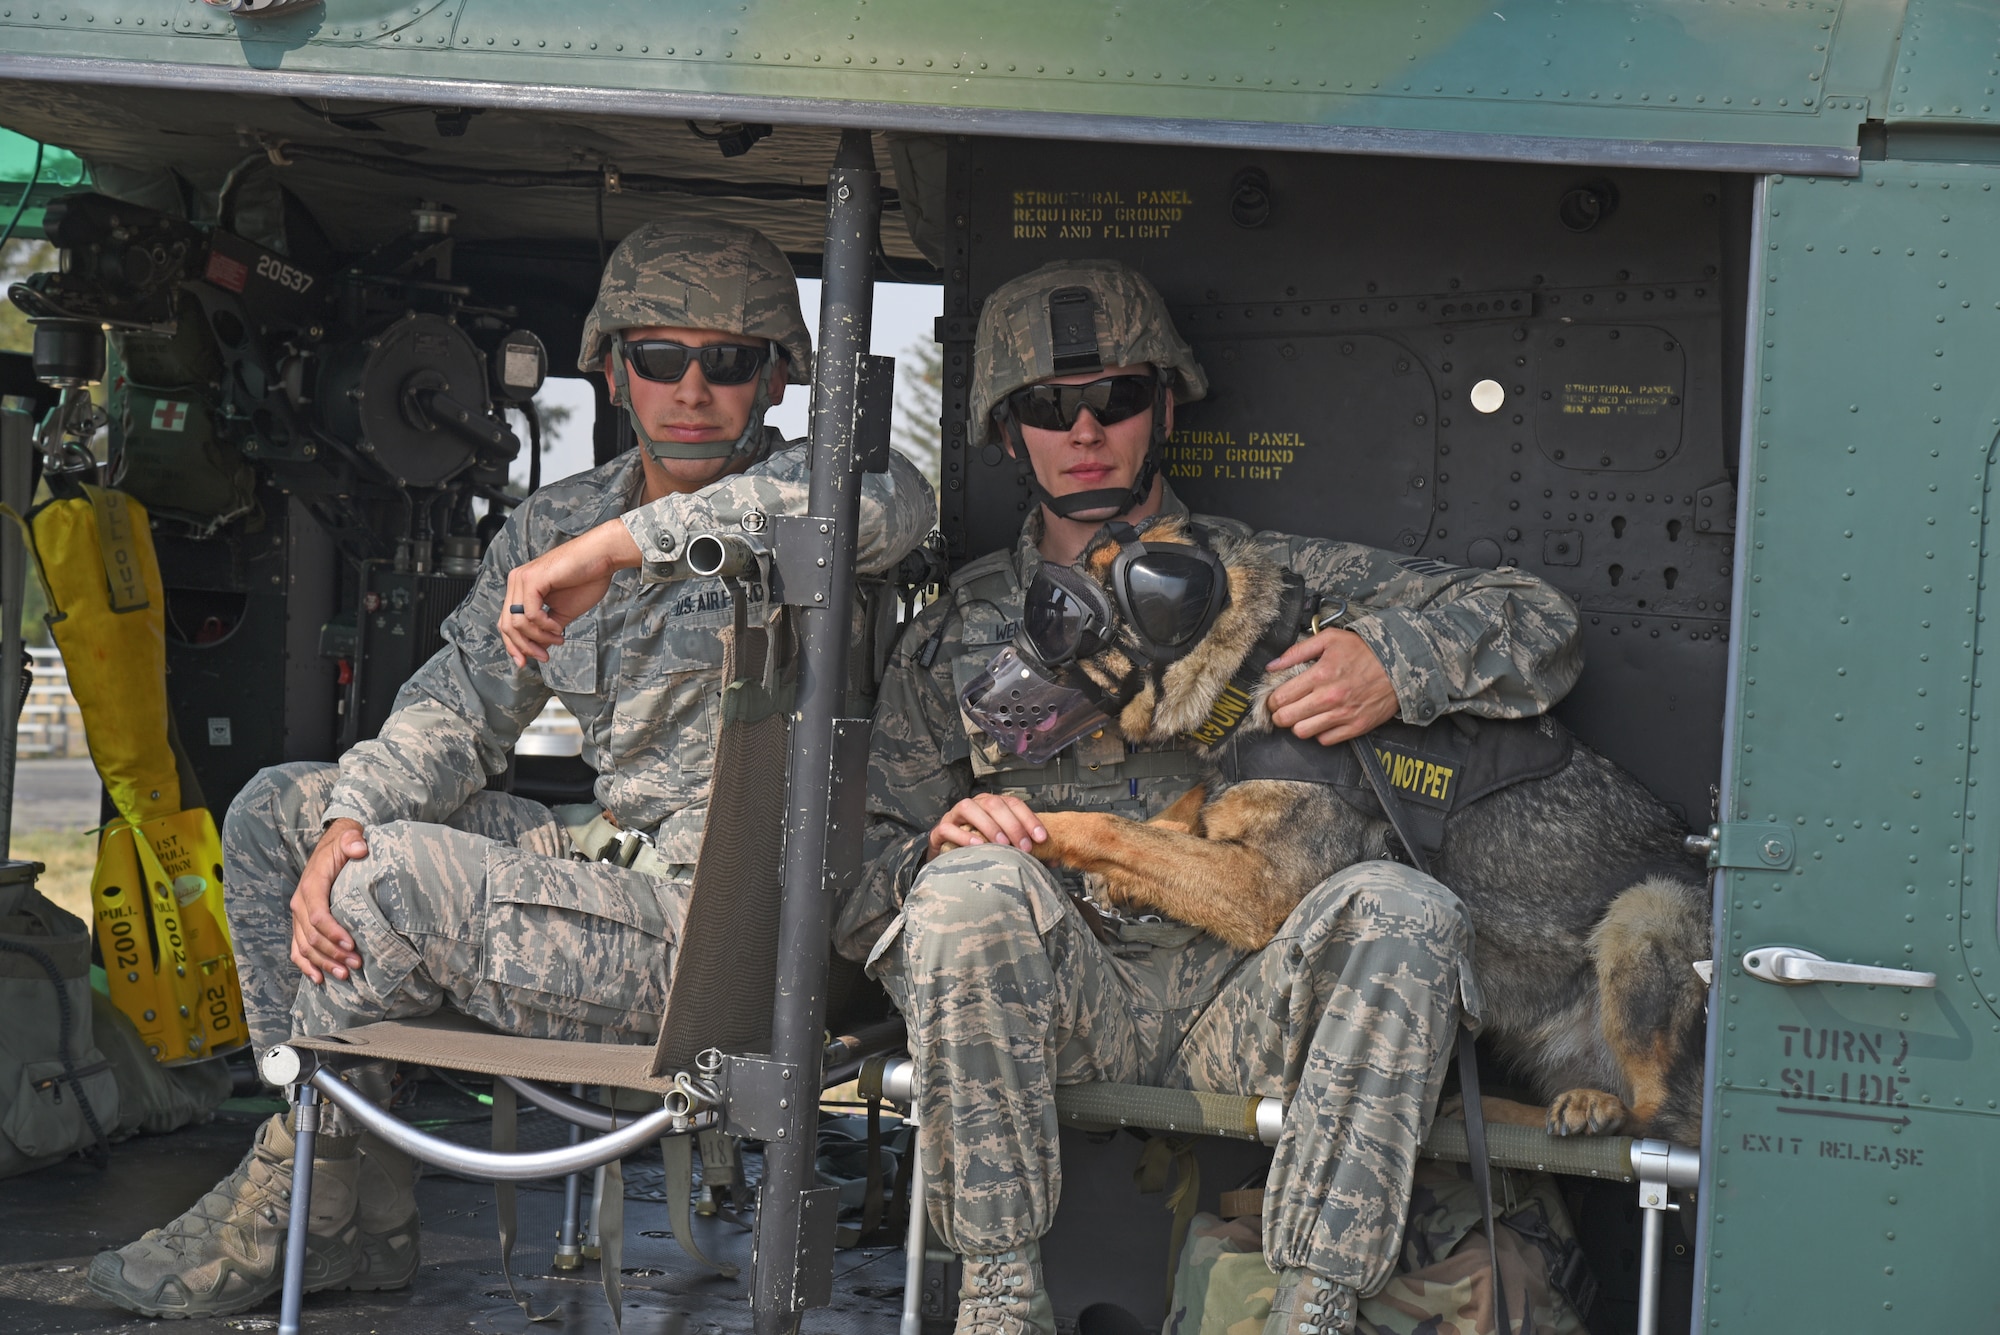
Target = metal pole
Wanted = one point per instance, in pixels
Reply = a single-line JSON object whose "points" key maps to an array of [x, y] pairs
{"points": [[305, 1130], [17, 444], [569, 1251], [913, 1244], [783, 1274], [1649, 1272]]}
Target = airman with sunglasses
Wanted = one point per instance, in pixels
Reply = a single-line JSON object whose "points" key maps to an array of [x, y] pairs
{"points": [[396, 885], [1349, 1014]]}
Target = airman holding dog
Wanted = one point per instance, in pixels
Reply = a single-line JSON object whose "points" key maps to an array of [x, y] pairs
{"points": [[1012, 987]]}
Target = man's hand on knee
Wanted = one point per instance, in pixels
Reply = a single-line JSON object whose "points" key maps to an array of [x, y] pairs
{"points": [[989, 818], [321, 946]]}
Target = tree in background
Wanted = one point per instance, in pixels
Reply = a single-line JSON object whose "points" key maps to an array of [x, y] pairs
{"points": [[920, 404], [20, 259]]}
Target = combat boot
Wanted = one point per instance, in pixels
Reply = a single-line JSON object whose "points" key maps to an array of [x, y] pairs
{"points": [[226, 1253], [1309, 1304], [1002, 1294], [386, 1254]]}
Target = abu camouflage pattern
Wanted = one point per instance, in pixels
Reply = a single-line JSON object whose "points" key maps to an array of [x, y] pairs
{"points": [[693, 274], [1349, 1016], [486, 910], [1496, 643], [1016, 346], [1442, 1284], [473, 897], [641, 671]]}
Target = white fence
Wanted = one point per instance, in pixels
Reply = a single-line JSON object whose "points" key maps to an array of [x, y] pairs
{"points": [[51, 724]]}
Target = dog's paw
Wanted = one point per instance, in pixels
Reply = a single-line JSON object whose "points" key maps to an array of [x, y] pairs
{"points": [[1062, 839], [1586, 1112]]}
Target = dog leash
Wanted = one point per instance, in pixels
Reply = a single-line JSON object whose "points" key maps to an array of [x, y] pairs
{"points": [[1468, 1059]]}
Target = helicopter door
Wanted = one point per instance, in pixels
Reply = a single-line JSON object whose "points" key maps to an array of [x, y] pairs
{"points": [[1855, 1020]]}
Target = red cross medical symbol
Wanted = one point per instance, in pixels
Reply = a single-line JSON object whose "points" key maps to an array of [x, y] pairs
{"points": [[169, 415]]}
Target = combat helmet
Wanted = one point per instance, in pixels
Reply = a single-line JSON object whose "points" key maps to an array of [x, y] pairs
{"points": [[1072, 316], [695, 274]]}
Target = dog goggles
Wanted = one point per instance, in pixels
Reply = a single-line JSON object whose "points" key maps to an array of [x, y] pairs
{"points": [[1024, 708], [1115, 398], [721, 363], [1167, 594]]}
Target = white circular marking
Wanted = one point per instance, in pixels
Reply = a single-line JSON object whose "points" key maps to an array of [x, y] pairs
{"points": [[1487, 396]]}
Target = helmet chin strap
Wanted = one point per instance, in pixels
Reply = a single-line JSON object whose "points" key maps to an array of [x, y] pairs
{"points": [[747, 442], [1100, 498]]}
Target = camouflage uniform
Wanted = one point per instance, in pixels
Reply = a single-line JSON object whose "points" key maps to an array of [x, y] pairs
{"points": [[486, 902], [1349, 1014], [1443, 1280], [473, 897]]}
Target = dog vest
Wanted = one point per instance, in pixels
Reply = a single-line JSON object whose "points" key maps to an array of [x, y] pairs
{"points": [[1433, 770]]}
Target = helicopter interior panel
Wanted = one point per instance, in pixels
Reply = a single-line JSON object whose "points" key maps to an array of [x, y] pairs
{"points": [[1474, 363]]}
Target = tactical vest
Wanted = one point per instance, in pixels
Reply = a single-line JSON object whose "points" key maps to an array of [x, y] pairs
{"points": [[1433, 771], [1097, 773]]}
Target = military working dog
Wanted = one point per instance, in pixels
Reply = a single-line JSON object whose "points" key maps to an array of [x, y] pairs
{"points": [[1588, 912]]}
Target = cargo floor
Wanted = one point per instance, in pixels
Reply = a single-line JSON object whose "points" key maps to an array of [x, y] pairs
{"points": [[53, 1221]]}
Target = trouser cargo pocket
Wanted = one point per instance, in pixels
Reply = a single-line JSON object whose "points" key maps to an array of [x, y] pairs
{"points": [[585, 942]]}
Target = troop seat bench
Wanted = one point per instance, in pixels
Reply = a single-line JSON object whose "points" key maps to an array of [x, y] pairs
{"points": [[1657, 1166]]}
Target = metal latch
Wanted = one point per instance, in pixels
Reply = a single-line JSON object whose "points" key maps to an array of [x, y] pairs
{"points": [[1792, 967], [1743, 845]]}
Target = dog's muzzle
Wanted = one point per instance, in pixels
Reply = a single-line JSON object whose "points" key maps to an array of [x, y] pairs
{"points": [[1033, 715]]}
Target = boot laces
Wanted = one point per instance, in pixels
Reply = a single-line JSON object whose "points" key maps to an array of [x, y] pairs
{"points": [[1324, 1307], [259, 1185], [996, 1303]]}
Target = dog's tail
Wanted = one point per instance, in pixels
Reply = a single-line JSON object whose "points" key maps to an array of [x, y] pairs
{"points": [[1654, 1004]]}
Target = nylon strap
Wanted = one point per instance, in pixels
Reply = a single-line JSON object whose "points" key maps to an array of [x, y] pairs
{"points": [[1066, 768], [1232, 706], [677, 1152], [505, 1123], [1468, 1057], [126, 586], [610, 1205], [1150, 1175], [849, 1235]]}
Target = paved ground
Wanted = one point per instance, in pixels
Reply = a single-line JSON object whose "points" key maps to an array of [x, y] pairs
{"points": [[55, 795], [52, 1222]]}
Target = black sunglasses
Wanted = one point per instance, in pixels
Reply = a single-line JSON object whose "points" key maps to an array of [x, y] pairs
{"points": [[1056, 407], [721, 363]]}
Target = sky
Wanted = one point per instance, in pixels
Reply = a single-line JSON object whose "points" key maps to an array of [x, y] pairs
{"points": [[904, 313]]}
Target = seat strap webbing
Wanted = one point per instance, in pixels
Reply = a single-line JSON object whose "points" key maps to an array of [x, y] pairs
{"points": [[678, 1154], [1468, 1057], [610, 1206], [506, 1120]]}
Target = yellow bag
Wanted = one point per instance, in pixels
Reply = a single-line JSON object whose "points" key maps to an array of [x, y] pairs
{"points": [[162, 924], [182, 856], [107, 611]]}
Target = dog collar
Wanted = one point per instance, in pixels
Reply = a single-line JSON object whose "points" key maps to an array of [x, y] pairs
{"points": [[1297, 611]]}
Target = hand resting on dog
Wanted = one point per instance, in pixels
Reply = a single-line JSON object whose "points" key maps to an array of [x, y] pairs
{"points": [[1344, 692]]}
